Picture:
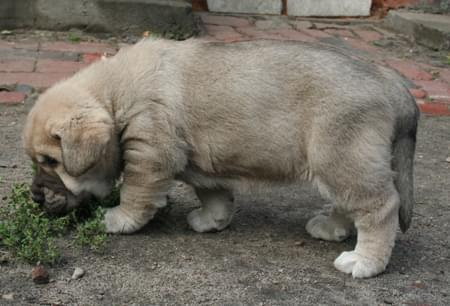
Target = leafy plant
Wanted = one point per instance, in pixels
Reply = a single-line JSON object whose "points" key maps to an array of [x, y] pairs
{"points": [[31, 235], [26, 230]]}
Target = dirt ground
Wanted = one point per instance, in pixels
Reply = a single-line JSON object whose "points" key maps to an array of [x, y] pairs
{"points": [[264, 258]]}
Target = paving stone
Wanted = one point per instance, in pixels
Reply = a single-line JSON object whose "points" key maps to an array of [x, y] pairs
{"points": [[440, 109], [37, 80], [444, 75], [224, 33], [291, 34], [33, 46], [7, 97], [409, 69], [363, 46], [328, 7], [340, 32], [437, 90], [273, 23], [418, 93], [301, 24], [59, 55], [21, 65], [253, 32], [16, 54], [316, 33], [225, 20], [368, 35], [49, 65], [89, 58], [82, 47], [246, 6]]}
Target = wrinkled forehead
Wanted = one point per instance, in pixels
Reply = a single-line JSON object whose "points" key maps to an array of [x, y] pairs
{"points": [[36, 136]]}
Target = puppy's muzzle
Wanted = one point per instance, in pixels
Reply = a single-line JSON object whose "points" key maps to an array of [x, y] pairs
{"points": [[52, 195]]}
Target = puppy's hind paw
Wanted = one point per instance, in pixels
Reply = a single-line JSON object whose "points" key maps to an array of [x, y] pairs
{"points": [[118, 222], [358, 265]]}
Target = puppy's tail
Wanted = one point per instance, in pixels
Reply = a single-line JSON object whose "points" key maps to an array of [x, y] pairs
{"points": [[404, 145]]}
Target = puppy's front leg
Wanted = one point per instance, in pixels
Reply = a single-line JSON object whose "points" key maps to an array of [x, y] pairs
{"points": [[138, 205], [144, 189]]}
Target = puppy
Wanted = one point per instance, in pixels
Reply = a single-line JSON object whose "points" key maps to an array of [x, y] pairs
{"points": [[222, 117]]}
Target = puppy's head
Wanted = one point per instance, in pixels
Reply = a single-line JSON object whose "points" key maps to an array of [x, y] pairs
{"points": [[70, 137]]}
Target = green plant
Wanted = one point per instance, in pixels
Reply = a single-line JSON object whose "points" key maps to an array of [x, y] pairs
{"points": [[25, 229], [74, 37], [31, 235], [91, 233]]}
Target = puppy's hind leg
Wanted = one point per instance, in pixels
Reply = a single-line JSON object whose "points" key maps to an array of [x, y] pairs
{"points": [[216, 212], [376, 236]]}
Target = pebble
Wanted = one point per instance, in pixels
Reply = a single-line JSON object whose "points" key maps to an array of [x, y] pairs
{"points": [[8, 297], [300, 243], [39, 275], [78, 273], [447, 159]]}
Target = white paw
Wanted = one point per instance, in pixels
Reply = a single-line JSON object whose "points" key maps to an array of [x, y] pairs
{"points": [[203, 221], [358, 265], [116, 222], [325, 228]]}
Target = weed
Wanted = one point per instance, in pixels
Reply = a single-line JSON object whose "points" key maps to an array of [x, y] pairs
{"points": [[74, 37], [30, 234], [27, 231]]}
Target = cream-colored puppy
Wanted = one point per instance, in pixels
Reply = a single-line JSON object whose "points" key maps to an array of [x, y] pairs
{"points": [[223, 116]]}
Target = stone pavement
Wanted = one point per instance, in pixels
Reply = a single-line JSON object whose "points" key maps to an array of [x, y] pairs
{"points": [[30, 63]]}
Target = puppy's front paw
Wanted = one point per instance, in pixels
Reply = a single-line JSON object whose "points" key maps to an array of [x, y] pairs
{"points": [[118, 222], [358, 265]]}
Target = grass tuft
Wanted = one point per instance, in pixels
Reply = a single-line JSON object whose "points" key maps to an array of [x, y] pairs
{"points": [[31, 235]]}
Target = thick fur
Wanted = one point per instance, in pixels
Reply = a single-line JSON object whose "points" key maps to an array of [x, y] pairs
{"points": [[223, 117]]}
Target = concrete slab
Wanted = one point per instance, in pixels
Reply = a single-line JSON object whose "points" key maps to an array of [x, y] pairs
{"points": [[328, 7], [161, 16], [246, 6], [431, 30]]}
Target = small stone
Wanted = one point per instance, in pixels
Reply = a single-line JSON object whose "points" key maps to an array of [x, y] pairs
{"points": [[39, 275], [447, 159], [299, 243], [6, 32], [25, 89], [8, 297], [78, 273]]}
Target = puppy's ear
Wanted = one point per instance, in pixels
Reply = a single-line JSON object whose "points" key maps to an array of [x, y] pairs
{"points": [[84, 140]]}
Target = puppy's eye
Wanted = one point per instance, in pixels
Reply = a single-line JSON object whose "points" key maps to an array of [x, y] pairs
{"points": [[50, 161]]}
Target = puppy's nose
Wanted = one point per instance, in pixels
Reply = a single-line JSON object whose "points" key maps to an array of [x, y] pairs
{"points": [[38, 197]]}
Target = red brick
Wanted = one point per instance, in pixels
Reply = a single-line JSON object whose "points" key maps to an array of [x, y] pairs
{"points": [[435, 89], [48, 65], [12, 97], [224, 33], [82, 47], [34, 79], [16, 65], [409, 69], [291, 34], [440, 109], [368, 35], [418, 93], [89, 58], [315, 33], [362, 45], [253, 32], [444, 75], [33, 46], [225, 20], [339, 32]]}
